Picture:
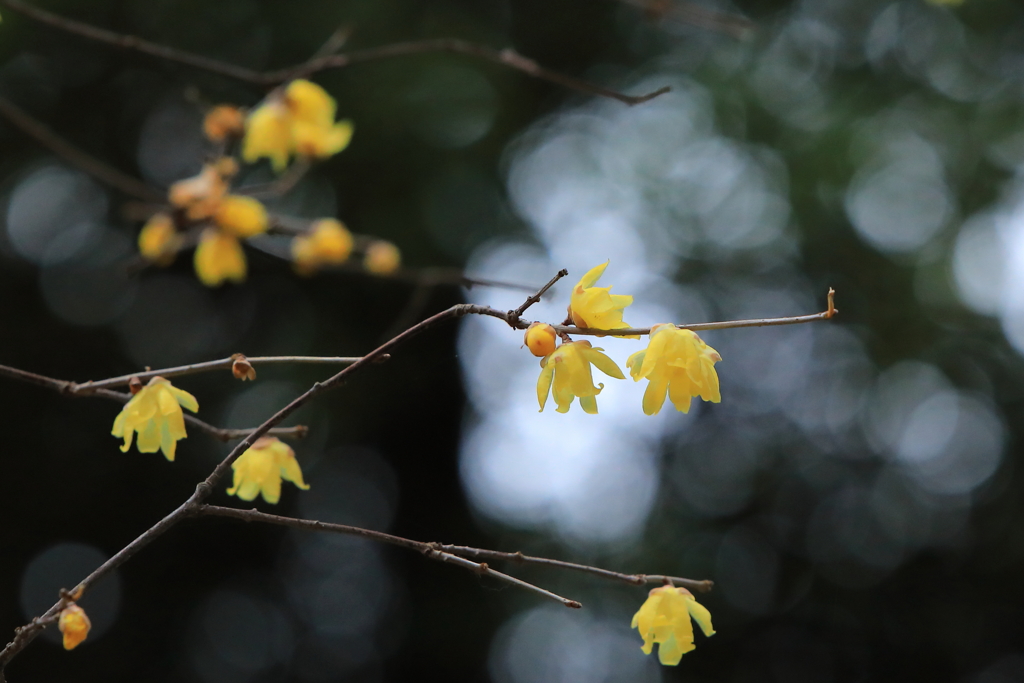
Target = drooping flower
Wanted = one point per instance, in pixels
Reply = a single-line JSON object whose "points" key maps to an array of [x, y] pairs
{"points": [[222, 122], [219, 257], [382, 258], [261, 468], [566, 374], [241, 216], [327, 243], [296, 120], [74, 624], [664, 618], [155, 413], [677, 362], [200, 195], [540, 339], [159, 241], [595, 307]]}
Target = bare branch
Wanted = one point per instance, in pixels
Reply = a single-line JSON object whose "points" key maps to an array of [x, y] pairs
{"points": [[635, 579], [531, 300], [105, 173], [507, 57], [734, 25], [428, 550], [206, 366]]}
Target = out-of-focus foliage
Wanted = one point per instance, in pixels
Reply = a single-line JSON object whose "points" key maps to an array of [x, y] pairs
{"points": [[854, 496]]}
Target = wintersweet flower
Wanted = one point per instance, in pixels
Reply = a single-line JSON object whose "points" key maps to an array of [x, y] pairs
{"points": [[219, 257], [200, 195], [74, 624], [159, 241], [155, 413], [222, 122], [327, 243], [676, 362], [566, 373], [664, 618], [382, 258], [297, 120], [595, 307], [540, 339], [261, 468], [241, 216]]}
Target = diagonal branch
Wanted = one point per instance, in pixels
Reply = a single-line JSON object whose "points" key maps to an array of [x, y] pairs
{"points": [[77, 157], [507, 57], [429, 550]]}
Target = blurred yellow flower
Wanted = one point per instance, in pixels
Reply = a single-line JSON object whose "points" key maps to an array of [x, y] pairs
{"points": [[297, 120], [200, 195], [222, 122], [540, 339], [74, 624], [676, 362], [155, 413], [594, 307], [566, 374], [327, 243], [664, 618], [260, 469], [382, 258], [219, 257], [241, 216], [159, 241]]}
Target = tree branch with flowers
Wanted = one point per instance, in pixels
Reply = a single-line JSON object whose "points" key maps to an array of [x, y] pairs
{"points": [[295, 125]]}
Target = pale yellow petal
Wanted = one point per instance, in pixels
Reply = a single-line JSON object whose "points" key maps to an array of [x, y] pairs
{"points": [[544, 384], [701, 615], [589, 404], [603, 363], [654, 396]]}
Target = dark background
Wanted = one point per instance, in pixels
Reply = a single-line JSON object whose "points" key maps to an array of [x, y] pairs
{"points": [[828, 574]]}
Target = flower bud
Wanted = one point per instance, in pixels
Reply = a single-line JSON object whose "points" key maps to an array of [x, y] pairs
{"points": [[382, 258], [540, 338], [74, 624], [222, 122], [134, 385], [241, 368]]}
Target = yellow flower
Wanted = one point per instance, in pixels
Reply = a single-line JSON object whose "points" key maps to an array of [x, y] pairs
{"points": [[222, 122], [261, 468], [664, 618], [328, 242], [155, 413], [219, 257], [297, 120], [200, 195], [566, 373], [159, 241], [540, 339], [241, 216], [382, 258], [679, 363], [594, 307], [74, 624]]}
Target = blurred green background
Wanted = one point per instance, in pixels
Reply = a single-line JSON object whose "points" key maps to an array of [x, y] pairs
{"points": [[854, 496]]}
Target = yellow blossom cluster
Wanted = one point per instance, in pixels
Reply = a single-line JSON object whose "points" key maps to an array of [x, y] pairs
{"points": [[294, 120], [155, 414], [677, 363]]}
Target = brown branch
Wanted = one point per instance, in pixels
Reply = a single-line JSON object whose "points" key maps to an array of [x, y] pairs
{"points": [[429, 550], [635, 579], [507, 57], [734, 25], [534, 298], [75, 156], [65, 388], [221, 364]]}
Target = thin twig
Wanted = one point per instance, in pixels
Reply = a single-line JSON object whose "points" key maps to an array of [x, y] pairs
{"points": [[428, 550], [534, 298], [206, 366], [634, 579], [105, 173], [280, 186], [507, 57], [734, 25], [72, 389]]}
